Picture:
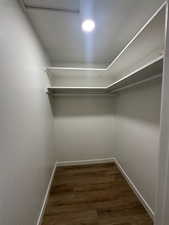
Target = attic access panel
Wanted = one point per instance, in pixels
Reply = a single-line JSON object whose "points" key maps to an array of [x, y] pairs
{"points": [[72, 5]]}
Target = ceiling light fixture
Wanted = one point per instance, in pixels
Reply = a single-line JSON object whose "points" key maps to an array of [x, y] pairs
{"points": [[88, 25]]}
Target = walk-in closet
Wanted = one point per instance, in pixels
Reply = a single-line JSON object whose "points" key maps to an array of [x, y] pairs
{"points": [[84, 112]]}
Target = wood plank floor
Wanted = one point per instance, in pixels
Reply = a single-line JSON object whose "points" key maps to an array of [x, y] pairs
{"points": [[93, 195]]}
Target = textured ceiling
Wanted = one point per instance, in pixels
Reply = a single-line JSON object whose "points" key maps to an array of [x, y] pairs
{"points": [[116, 23]]}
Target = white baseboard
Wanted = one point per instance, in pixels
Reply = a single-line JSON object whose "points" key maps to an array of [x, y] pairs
{"points": [[39, 222], [85, 162], [136, 191]]}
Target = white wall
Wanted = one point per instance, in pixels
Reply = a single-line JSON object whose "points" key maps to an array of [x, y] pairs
{"points": [[162, 206], [26, 156], [137, 136], [83, 127]]}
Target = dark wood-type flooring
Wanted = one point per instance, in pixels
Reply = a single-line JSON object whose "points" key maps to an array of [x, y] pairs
{"points": [[93, 195]]}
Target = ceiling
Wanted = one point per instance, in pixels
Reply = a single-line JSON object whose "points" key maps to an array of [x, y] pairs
{"points": [[117, 21]]}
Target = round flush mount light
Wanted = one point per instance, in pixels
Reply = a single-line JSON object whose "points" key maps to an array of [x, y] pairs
{"points": [[88, 25]]}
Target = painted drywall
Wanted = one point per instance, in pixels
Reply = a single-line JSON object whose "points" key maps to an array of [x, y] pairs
{"points": [[26, 156], [137, 136], [83, 127], [162, 206]]}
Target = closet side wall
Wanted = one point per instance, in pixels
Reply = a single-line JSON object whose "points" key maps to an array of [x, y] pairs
{"points": [[83, 127], [137, 136], [26, 157]]}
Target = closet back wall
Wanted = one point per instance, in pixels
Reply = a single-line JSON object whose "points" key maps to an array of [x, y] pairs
{"points": [[83, 127], [137, 136]]}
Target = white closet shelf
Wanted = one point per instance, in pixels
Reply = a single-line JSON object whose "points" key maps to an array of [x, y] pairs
{"points": [[151, 70], [76, 90]]}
